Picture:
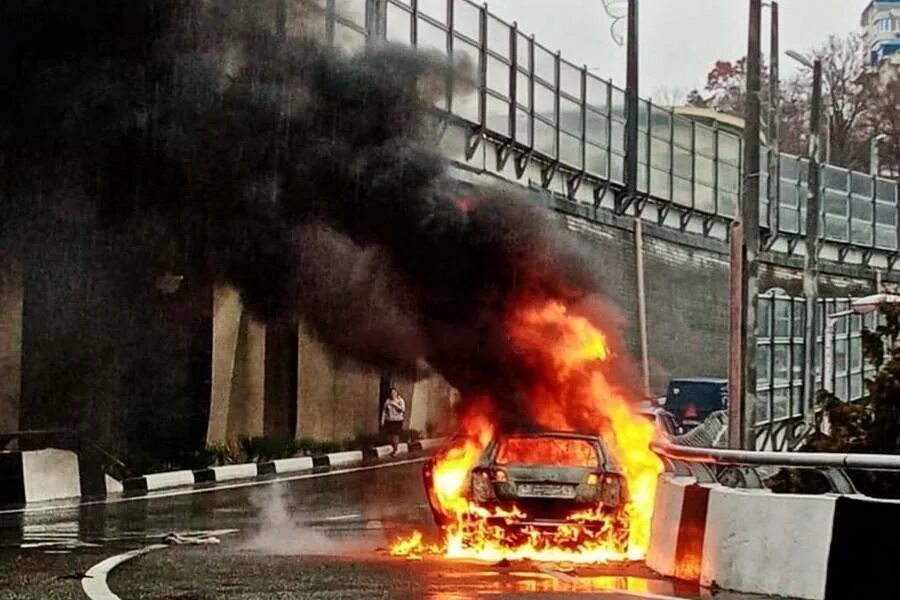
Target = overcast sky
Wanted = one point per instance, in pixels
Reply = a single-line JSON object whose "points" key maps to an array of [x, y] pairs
{"points": [[680, 39]]}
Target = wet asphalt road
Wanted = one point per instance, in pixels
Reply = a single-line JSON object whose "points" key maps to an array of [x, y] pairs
{"points": [[321, 538]]}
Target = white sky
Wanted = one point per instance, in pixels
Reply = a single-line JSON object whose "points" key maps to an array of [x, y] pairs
{"points": [[680, 39]]}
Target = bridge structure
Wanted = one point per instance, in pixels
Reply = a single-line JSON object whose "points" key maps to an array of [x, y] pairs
{"points": [[553, 126], [530, 118]]}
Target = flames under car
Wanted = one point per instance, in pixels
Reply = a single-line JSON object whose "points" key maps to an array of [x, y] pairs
{"points": [[543, 480]]}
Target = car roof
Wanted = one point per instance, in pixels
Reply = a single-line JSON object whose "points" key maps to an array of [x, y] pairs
{"points": [[548, 433], [698, 380]]}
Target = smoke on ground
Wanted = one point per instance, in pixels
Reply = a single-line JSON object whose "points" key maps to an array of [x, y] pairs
{"points": [[281, 533]]}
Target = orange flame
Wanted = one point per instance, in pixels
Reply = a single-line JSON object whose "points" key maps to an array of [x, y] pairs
{"points": [[576, 392]]}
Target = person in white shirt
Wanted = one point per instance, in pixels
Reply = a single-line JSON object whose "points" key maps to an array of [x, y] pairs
{"points": [[392, 416]]}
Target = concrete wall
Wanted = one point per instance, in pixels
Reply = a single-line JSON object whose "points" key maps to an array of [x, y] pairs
{"points": [[686, 288], [281, 382], [238, 370], [11, 296], [337, 398], [686, 279]]}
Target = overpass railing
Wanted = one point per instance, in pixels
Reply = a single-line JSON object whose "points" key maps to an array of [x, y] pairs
{"points": [[539, 107], [750, 469]]}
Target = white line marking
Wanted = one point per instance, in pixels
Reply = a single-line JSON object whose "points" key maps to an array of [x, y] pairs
{"points": [[94, 581], [342, 517], [188, 492]]}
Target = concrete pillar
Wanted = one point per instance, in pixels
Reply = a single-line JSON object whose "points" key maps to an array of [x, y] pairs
{"points": [[337, 399], [281, 381], [11, 297], [238, 370], [430, 404]]}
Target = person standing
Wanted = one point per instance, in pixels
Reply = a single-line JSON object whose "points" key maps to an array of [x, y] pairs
{"points": [[392, 416]]}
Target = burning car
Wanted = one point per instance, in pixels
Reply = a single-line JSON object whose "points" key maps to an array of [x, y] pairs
{"points": [[542, 481]]}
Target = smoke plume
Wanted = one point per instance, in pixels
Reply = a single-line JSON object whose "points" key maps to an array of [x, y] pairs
{"points": [[223, 140]]}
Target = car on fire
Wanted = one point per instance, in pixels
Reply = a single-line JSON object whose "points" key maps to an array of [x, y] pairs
{"points": [[544, 478]]}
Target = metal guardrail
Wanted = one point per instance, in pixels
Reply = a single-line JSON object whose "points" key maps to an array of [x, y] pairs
{"points": [[712, 433], [808, 460], [751, 469]]}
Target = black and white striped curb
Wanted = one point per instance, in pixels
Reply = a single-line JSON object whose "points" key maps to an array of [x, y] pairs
{"points": [[173, 479]]}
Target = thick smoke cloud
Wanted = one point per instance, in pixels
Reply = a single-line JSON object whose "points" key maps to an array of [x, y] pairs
{"points": [[221, 140]]}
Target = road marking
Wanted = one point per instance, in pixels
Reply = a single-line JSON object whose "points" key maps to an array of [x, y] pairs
{"points": [[207, 490], [576, 582], [94, 581], [342, 517]]}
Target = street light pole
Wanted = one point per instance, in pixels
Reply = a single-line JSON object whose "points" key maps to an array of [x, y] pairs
{"points": [[742, 390], [774, 133], [811, 261], [631, 102]]}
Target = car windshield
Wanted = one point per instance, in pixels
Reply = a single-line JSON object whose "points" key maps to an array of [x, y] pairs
{"points": [[548, 451]]}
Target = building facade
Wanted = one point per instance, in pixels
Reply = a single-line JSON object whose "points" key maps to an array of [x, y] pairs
{"points": [[881, 31]]}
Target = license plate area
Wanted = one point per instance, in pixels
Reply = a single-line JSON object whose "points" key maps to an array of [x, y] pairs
{"points": [[543, 490]]}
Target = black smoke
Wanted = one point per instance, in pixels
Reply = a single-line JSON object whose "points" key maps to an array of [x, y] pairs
{"points": [[224, 141]]}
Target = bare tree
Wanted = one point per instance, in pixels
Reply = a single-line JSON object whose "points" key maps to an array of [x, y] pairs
{"points": [[855, 109], [670, 96], [845, 99]]}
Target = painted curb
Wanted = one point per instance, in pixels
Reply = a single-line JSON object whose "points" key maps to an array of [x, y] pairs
{"points": [[175, 479]]}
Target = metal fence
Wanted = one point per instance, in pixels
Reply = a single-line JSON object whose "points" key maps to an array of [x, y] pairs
{"points": [[532, 99], [780, 357]]}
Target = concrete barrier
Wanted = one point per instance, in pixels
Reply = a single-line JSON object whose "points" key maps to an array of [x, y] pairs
{"points": [[292, 465], [765, 543], [431, 444], [54, 474], [665, 525], [753, 541], [344, 458], [50, 475], [159, 481], [231, 472], [38, 476]]}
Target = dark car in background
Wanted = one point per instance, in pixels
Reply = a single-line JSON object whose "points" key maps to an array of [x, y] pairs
{"points": [[691, 399]]}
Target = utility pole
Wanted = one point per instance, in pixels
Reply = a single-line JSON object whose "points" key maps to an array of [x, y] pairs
{"points": [[743, 399], [631, 102], [811, 261], [774, 133]]}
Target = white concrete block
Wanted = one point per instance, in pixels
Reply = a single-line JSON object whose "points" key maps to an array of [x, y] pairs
{"points": [[385, 451], [50, 474], [763, 543], [665, 524], [113, 486], [229, 472], [292, 465], [433, 443], [157, 481], [345, 458]]}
